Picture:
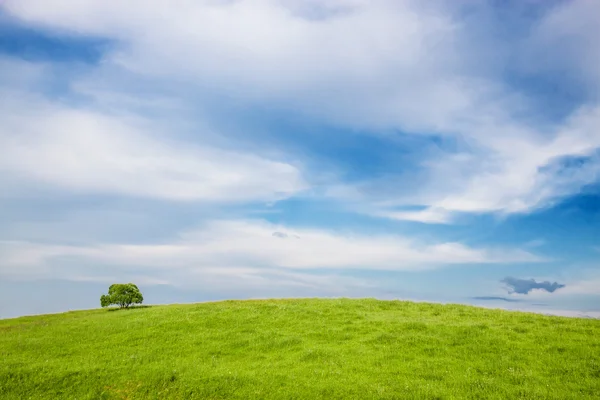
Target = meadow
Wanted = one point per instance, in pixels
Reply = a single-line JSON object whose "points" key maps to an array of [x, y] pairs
{"points": [[300, 349]]}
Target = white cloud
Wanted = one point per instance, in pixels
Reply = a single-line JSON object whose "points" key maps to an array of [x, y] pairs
{"points": [[250, 243], [522, 174], [429, 215], [566, 41], [87, 151], [584, 283], [583, 287], [378, 64], [514, 170]]}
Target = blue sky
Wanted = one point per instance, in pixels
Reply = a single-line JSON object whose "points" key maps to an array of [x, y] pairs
{"points": [[447, 151]]}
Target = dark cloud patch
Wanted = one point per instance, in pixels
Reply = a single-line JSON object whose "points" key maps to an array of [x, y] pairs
{"points": [[497, 298], [524, 286]]}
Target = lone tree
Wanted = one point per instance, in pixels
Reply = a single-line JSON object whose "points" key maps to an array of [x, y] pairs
{"points": [[122, 294]]}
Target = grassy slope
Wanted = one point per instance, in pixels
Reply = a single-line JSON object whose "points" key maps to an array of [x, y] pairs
{"points": [[301, 349]]}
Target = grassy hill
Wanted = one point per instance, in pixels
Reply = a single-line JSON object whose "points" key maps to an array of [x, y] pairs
{"points": [[300, 349]]}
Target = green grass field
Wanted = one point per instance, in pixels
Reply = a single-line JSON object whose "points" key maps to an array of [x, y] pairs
{"points": [[300, 349]]}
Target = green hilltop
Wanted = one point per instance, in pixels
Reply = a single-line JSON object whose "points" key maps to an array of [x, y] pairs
{"points": [[300, 349]]}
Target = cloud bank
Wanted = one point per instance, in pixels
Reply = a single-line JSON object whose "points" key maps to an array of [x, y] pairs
{"points": [[251, 244], [377, 65]]}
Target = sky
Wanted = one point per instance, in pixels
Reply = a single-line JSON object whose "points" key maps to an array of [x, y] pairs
{"points": [[443, 151]]}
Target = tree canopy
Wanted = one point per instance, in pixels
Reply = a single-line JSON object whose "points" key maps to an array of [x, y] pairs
{"points": [[123, 295]]}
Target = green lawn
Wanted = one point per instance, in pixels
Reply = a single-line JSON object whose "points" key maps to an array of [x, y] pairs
{"points": [[300, 349]]}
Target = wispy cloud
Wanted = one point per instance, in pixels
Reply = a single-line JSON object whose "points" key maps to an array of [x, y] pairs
{"points": [[86, 151], [429, 215], [496, 298], [535, 243], [252, 243]]}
